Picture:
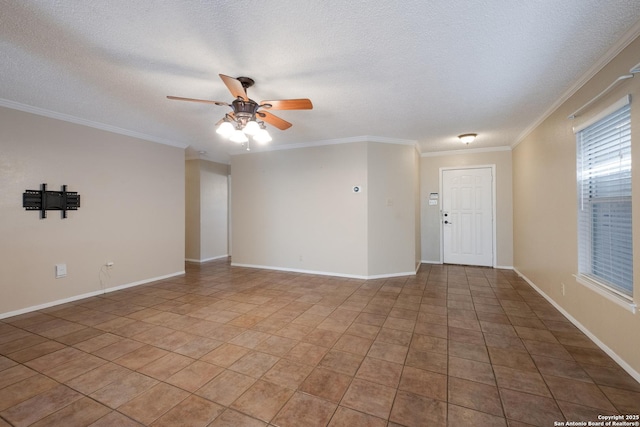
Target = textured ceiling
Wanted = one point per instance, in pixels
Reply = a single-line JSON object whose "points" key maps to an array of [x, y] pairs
{"points": [[412, 70]]}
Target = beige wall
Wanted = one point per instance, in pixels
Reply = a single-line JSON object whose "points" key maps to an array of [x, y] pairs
{"points": [[545, 218], [207, 207], [430, 183], [391, 208], [214, 209], [192, 211], [417, 238], [295, 209], [132, 210]]}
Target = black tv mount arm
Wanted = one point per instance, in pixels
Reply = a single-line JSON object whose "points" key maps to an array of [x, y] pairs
{"points": [[44, 200]]}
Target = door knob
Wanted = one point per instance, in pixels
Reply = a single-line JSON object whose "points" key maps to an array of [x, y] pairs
{"points": [[447, 222]]}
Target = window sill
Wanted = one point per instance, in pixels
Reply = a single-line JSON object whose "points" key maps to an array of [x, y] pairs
{"points": [[603, 290]]}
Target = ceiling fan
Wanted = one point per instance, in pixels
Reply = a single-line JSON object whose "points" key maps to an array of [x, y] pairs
{"points": [[248, 116]]}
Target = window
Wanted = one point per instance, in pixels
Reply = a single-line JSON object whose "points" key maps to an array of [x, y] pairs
{"points": [[605, 250]]}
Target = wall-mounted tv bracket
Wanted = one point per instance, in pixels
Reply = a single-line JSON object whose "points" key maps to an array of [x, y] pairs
{"points": [[44, 200]]}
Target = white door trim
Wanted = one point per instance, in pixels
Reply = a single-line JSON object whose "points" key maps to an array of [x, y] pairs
{"points": [[493, 208]]}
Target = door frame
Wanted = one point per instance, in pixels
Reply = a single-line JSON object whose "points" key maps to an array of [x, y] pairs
{"points": [[494, 237]]}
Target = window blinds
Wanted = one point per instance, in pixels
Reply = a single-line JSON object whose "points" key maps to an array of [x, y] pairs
{"points": [[604, 210]]}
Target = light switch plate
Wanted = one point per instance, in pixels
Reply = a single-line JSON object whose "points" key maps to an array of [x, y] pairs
{"points": [[61, 270]]}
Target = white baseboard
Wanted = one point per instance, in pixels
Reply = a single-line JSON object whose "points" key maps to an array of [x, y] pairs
{"points": [[386, 276], [327, 273], [624, 365], [506, 267], [200, 261], [87, 295]]}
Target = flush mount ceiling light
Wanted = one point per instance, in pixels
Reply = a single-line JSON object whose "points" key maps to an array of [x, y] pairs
{"points": [[248, 117], [468, 138]]}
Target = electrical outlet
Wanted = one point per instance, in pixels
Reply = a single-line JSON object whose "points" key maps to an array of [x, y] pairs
{"points": [[562, 288]]}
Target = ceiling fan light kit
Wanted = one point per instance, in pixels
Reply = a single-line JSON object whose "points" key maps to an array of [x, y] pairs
{"points": [[248, 117], [238, 137], [225, 129], [262, 136], [251, 128]]}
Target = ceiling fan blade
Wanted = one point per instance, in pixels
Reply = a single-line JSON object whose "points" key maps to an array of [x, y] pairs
{"points": [[178, 98], [235, 87], [274, 120], [288, 104]]}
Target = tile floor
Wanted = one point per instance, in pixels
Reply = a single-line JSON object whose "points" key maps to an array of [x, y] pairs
{"points": [[223, 346]]}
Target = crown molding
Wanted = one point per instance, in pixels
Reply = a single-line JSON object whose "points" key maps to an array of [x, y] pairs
{"points": [[192, 154], [89, 123], [465, 151], [622, 43], [211, 159], [349, 140]]}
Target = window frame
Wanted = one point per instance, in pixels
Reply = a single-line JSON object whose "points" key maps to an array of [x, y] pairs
{"points": [[588, 278]]}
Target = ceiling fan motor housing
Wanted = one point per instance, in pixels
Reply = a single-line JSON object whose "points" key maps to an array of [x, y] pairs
{"points": [[244, 110]]}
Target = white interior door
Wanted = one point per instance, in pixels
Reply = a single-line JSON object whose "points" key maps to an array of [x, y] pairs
{"points": [[467, 216]]}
